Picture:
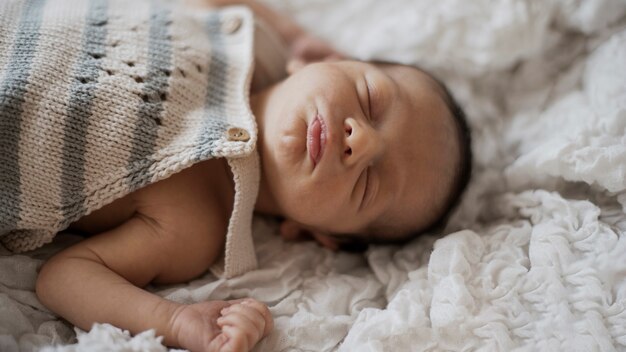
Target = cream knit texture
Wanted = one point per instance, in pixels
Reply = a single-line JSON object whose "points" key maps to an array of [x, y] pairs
{"points": [[99, 98]]}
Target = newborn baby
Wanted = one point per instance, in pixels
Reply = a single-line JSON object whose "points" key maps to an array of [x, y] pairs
{"points": [[349, 153]]}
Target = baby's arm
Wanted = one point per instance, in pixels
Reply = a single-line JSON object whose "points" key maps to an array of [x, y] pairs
{"points": [[99, 279], [96, 281]]}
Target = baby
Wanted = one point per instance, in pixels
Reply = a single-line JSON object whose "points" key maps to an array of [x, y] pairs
{"points": [[347, 152]]}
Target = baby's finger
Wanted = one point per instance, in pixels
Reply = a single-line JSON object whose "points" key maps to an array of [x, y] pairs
{"points": [[218, 342], [241, 323], [264, 312], [294, 65], [335, 57], [236, 339], [261, 308]]}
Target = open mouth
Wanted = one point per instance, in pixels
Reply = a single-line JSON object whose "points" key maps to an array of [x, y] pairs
{"points": [[316, 139]]}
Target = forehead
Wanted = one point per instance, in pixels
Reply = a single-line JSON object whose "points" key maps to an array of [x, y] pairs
{"points": [[421, 142]]}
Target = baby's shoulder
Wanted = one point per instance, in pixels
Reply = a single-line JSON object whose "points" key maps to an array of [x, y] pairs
{"points": [[197, 199]]}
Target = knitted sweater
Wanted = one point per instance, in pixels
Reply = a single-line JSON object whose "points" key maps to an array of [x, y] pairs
{"points": [[101, 97]]}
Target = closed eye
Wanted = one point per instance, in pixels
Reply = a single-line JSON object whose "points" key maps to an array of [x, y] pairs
{"points": [[368, 111], [369, 102]]}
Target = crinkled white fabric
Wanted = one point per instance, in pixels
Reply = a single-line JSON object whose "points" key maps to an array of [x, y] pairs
{"points": [[583, 137], [534, 258], [106, 337]]}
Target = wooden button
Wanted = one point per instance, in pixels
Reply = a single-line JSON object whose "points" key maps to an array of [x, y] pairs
{"points": [[238, 134], [231, 25]]}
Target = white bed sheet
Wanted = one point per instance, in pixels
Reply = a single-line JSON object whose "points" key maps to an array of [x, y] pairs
{"points": [[535, 256]]}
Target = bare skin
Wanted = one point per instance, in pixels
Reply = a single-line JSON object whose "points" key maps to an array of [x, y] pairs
{"points": [[386, 125], [168, 232]]}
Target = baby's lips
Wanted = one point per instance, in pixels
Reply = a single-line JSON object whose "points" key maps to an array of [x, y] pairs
{"points": [[316, 139], [313, 140]]}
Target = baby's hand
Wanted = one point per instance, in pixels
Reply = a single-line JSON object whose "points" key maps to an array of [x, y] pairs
{"points": [[306, 49], [222, 325]]}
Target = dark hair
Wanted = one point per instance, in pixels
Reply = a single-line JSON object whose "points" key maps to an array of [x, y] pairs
{"points": [[460, 182], [464, 169]]}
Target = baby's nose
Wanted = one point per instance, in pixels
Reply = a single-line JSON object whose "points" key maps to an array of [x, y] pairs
{"points": [[362, 143]]}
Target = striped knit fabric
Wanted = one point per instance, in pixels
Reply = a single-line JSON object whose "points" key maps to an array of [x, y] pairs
{"points": [[101, 97]]}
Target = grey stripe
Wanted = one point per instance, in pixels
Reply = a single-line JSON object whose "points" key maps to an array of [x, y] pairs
{"points": [[155, 86], [216, 95], [12, 92], [82, 92]]}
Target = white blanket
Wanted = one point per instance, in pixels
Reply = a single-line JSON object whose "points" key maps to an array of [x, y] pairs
{"points": [[535, 256]]}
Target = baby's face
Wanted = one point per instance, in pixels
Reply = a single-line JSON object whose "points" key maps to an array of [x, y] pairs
{"points": [[356, 149]]}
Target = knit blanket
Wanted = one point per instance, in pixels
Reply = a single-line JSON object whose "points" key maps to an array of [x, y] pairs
{"points": [[535, 257], [99, 98]]}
